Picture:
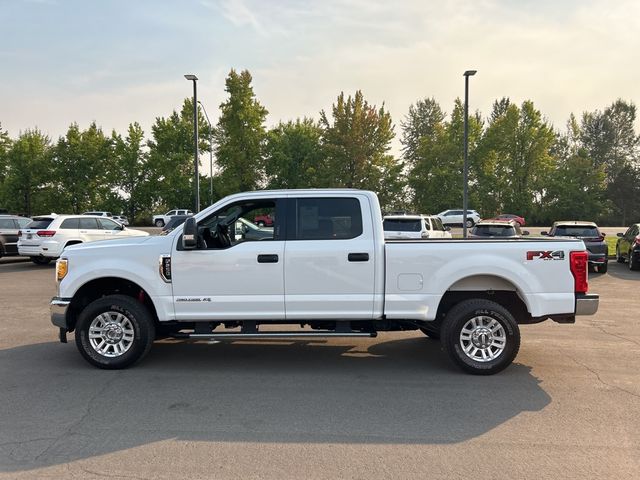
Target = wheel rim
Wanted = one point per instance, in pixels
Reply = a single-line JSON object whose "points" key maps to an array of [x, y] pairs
{"points": [[483, 339], [111, 334]]}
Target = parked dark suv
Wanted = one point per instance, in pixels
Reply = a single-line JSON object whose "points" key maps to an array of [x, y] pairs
{"points": [[9, 227], [590, 234], [628, 247]]}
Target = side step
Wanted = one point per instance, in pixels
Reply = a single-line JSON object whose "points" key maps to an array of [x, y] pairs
{"points": [[240, 335]]}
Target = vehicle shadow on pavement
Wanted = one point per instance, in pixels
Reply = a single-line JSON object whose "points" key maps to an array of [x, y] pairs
{"points": [[55, 408]]}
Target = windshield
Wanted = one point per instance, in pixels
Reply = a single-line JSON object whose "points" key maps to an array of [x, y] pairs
{"points": [[581, 231], [402, 225]]}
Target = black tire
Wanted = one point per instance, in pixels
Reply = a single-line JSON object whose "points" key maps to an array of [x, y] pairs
{"points": [[159, 223], [603, 268], [619, 258], [633, 264], [432, 334], [468, 311], [41, 260], [470, 223], [139, 319]]}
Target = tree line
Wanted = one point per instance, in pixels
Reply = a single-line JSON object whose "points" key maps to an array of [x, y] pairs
{"points": [[518, 162]]}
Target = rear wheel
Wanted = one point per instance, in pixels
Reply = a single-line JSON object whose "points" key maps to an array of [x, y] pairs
{"points": [[603, 268], [41, 260], [159, 223], [480, 336], [114, 332], [619, 258]]}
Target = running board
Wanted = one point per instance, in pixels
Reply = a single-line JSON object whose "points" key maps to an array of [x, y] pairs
{"points": [[238, 335]]}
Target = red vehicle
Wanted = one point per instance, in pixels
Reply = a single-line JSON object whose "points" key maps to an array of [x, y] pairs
{"points": [[510, 216], [263, 220]]}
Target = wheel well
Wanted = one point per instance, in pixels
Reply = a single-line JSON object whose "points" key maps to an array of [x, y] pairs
{"points": [[101, 287], [509, 299]]}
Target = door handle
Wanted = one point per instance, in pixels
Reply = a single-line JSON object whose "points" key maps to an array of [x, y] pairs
{"points": [[358, 257], [268, 258]]}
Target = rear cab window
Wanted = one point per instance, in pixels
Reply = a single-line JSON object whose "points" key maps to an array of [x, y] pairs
{"points": [[401, 225]]}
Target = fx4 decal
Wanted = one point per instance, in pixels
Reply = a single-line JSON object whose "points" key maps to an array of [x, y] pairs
{"points": [[548, 255]]}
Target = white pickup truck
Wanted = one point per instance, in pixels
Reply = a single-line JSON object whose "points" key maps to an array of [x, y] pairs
{"points": [[324, 269]]}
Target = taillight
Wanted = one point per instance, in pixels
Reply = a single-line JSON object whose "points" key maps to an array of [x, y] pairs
{"points": [[578, 262], [636, 240], [46, 233]]}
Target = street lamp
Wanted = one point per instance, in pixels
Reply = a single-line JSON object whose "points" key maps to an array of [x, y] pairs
{"points": [[194, 79], [210, 154], [465, 174]]}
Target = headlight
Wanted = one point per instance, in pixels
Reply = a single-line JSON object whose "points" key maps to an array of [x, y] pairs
{"points": [[62, 267]]}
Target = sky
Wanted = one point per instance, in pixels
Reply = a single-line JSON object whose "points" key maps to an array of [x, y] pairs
{"points": [[119, 61]]}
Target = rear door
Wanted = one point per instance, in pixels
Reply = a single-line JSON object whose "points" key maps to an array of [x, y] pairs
{"points": [[329, 263], [8, 236]]}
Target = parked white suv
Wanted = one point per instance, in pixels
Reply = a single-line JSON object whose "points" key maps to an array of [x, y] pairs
{"points": [[162, 220], [99, 213], [47, 236], [454, 217], [411, 227]]}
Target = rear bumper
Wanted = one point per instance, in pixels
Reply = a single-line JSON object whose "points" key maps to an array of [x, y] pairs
{"points": [[46, 249], [587, 303], [597, 258], [58, 307]]}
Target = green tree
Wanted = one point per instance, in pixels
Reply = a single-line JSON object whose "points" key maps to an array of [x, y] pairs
{"points": [[83, 165], [27, 169], [515, 151], [170, 169], [436, 174], [293, 155], [422, 122], [356, 141], [240, 137], [131, 169]]}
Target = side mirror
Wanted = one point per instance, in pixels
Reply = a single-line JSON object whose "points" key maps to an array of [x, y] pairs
{"points": [[544, 233], [525, 232], [190, 234], [120, 227], [620, 234]]}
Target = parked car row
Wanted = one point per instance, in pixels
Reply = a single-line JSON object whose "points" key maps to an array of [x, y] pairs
{"points": [[411, 227], [592, 237]]}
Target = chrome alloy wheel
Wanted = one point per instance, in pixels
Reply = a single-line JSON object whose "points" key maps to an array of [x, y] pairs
{"points": [[483, 339], [111, 334]]}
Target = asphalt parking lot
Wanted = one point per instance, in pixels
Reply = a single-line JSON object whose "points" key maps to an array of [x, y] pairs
{"points": [[389, 407]]}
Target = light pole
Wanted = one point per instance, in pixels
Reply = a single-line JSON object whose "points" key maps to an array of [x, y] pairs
{"points": [[196, 183], [465, 174], [210, 154]]}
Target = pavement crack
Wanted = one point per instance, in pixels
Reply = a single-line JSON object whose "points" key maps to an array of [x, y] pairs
{"points": [[601, 328], [107, 475], [597, 375], [71, 429]]}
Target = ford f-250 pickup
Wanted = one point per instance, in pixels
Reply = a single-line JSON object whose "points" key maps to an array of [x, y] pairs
{"points": [[324, 269]]}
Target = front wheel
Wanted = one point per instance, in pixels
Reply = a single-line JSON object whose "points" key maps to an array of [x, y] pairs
{"points": [[114, 332], [159, 223], [470, 223], [41, 260], [603, 268], [619, 258], [481, 336]]}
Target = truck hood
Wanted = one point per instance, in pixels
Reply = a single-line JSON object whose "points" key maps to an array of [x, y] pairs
{"points": [[110, 244]]}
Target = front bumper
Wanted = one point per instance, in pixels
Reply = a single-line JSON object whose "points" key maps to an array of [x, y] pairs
{"points": [[59, 307], [587, 303]]}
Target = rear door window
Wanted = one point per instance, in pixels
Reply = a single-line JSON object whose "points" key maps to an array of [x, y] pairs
{"points": [[70, 224], [327, 219], [88, 224], [7, 224]]}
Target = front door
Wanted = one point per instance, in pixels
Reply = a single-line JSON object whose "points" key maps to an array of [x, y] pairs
{"points": [[329, 259], [237, 271]]}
